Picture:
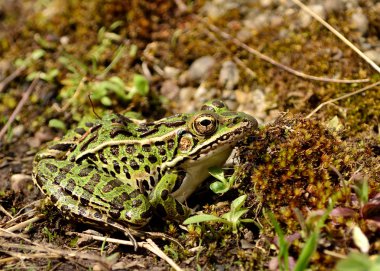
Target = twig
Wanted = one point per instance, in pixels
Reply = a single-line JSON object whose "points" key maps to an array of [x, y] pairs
{"points": [[49, 252], [342, 97], [25, 223], [239, 43], [336, 33], [149, 245], [5, 212], [17, 110], [11, 77]]}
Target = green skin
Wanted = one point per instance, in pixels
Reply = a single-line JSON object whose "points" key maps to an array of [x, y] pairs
{"points": [[118, 172]]}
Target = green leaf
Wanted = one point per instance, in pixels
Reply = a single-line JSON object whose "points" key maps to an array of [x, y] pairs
{"points": [[106, 101], [218, 187], [238, 202], [201, 218], [355, 262], [58, 124], [37, 54], [141, 84], [217, 173], [307, 251]]}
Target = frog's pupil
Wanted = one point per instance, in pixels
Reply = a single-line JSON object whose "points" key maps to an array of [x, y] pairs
{"points": [[205, 122]]}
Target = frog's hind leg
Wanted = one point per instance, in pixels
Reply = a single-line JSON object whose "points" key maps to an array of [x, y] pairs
{"points": [[90, 195]]}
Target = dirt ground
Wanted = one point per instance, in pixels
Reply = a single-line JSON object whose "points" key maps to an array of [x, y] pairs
{"points": [[316, 152]]}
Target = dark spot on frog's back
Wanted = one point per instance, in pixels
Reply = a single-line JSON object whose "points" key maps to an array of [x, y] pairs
{"points": [[80, 131], [51, 167], [146, 148], [85, 171], [63, 146], [115, 150], [121, 119], [147, 169], [120, 131], [116, 167], [134, 165], [89, 124], [140, 156], [152, 159], [130, 149], [97, 215], [176, 123], [164, 194], [208, 108], [102, 157], [170, 144], [136, 203], [86, 143], [218, 104]]}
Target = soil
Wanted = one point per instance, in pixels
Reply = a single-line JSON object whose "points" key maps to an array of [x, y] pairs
{"points": [[62, 62]]}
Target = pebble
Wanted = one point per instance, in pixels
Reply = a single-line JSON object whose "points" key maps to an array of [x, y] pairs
{"points": [[374, 55], [200, 68], [18, 131], [333, 5], [306, 19], [170, 89], [360, 22], [229, 75], [19, 182]]}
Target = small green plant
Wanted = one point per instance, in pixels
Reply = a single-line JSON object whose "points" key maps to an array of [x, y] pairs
{"points": [[362, 190], [356, 261], [223, 184], [230, 220], [283, 254], [51, 236]]}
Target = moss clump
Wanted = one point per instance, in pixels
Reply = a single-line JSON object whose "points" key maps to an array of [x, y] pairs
{"points": [[295, 161]]}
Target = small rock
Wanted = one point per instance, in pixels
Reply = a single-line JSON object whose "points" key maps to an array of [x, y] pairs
{"points": [[171, 72], [374, 55], [169, 89], [203, 94], [18, 130], [359, 22], [200, 68], [306, 19], [19, 182], [333, 5], [256, 21], [229, 75], [186, 94]]}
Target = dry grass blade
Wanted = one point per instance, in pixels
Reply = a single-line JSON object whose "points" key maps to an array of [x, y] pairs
{"points": [[39, 251], [11, 77], [342, 97], [17, 110], [336, 33], [25, 223], [5, 212], [149, 245], [240, 44]]}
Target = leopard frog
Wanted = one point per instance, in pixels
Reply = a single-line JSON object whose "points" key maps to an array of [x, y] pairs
{"points": [[118, 171]]}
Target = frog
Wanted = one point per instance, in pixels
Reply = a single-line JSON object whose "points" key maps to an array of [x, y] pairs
{"points": [[118, 172]]}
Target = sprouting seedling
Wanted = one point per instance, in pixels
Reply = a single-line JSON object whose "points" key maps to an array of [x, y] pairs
{"points": [[230, 220], [223, 184]]}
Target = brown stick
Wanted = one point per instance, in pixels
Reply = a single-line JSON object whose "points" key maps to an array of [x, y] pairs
{"points": [[343, 97], [17, 110]]}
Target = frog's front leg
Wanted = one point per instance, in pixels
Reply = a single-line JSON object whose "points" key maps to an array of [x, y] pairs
{"points": [[162, 200]]}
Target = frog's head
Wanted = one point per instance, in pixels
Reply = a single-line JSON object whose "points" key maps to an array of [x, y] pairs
{"points": [[206, 141], [212, 132]]}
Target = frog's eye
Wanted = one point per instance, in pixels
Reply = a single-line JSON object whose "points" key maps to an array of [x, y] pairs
{"points": [[205, 124]]}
